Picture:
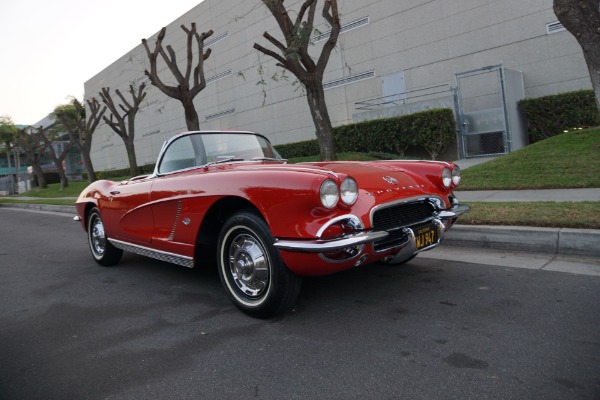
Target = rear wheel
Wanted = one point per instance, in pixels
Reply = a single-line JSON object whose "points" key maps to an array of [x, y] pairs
{"points": [[102, 250], [251, 270]]}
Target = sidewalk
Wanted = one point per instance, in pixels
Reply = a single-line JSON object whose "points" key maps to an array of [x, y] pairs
{"points": [[557, 241], [548, 241]]}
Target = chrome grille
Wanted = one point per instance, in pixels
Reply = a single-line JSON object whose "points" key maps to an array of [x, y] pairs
{"points": [[395, 217], [401, 215]]}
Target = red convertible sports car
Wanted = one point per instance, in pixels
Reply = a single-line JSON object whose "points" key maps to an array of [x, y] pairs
{"points": [[229, 197]]}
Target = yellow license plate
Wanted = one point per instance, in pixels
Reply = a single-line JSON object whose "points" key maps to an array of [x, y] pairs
{"points": [[426, 236]]}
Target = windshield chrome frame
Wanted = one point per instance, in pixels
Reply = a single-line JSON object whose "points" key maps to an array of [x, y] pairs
{"points": [[168, 142]]}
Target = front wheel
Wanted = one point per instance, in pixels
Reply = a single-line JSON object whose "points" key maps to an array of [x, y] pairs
{"points": [[251, 270], [102, 250]]}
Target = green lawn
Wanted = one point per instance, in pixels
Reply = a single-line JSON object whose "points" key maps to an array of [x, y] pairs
{"points": [[577, 215], [570, 160]]}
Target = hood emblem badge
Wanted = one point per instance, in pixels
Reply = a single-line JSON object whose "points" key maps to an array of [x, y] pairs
{"points": [[186, 221], [390, 180]]}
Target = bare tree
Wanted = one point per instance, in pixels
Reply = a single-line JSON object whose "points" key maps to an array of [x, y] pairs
{"points": [[582, 19], [185, 91], [294, 57], [124, 124], [49, 137], [30, 141], [80, 127]]}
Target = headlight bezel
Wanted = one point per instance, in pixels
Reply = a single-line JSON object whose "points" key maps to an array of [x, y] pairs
{"points": [[456, 176], [447, 178], [349, 191], [329, 193]]}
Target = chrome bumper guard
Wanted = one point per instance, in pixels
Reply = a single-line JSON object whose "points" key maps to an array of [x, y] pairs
{"points": [[408, 248]]}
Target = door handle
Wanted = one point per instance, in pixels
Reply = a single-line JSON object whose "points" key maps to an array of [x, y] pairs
{"points": [[114, 192]]}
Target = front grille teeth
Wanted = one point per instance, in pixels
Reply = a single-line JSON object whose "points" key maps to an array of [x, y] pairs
{"points": [[394, 218]]}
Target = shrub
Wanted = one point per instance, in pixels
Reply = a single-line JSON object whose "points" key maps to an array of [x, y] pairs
{"points": [[551, 115], [118, 173], [432, 130], [298, 149]]}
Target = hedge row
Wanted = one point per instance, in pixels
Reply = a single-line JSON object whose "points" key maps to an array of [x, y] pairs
{"points": [[431, 130], [119, 173], [551, 115], [298, 149]]}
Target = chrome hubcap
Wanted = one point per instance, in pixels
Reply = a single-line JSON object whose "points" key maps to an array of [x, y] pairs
{"points": [[249, 265], [97, 236]]}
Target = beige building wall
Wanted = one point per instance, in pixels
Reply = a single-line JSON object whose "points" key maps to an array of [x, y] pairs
{"points": [[428, 40]]}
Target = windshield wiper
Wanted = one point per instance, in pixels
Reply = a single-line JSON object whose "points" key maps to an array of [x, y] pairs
{"points": [[281, 160], [223, 160]]}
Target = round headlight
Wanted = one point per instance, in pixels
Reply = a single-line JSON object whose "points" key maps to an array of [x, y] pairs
{"points": [[446, 177], [456, 176], [329, 193], [349, 191]]}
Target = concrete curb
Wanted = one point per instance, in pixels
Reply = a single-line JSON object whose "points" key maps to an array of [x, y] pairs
{"points": [[560, 241]]}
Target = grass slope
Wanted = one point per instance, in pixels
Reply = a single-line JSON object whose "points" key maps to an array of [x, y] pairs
{"points": [[570, 160]]}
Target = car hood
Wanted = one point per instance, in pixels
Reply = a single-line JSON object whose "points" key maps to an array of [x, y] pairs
{"points": [[370, 176]]}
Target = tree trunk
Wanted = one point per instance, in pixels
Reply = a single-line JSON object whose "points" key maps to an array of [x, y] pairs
{"points": [[318, 109], [84, 150], [593, 64], [133, 167], [13, 176], [64, 182], [89, 168], [191, 116], [37, 170]]}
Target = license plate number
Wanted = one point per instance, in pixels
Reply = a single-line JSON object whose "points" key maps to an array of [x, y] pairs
{"points": [[425, 236]]}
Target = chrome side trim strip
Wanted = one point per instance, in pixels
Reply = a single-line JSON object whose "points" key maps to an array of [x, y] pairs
{"points": [[157, 254]]}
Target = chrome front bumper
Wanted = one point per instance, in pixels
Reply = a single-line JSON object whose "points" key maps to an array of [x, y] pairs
{"points": [[327, 246], [361, 238]]}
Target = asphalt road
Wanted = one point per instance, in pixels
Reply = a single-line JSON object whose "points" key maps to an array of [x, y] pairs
{"points": [[433, 329]]}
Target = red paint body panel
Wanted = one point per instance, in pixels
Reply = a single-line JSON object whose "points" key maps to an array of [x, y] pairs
{"points": [[167, 212]]}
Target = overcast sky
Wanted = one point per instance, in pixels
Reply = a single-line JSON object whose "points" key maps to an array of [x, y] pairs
{"points": [[48, 49]]}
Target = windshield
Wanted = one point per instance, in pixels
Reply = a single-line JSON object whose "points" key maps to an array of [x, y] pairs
{"points": [[200, 149]]}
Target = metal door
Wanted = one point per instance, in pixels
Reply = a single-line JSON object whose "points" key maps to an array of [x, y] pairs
{"points": [[482, 112]]}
